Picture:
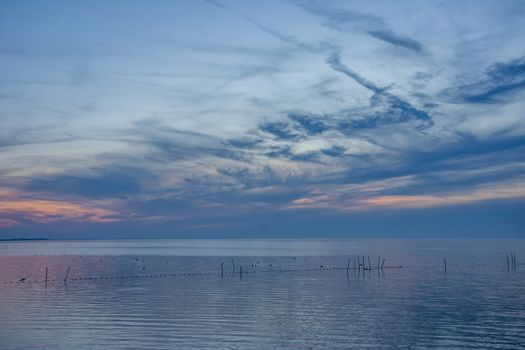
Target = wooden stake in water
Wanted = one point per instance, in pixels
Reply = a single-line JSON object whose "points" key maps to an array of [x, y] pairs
{"points": [[233, 266], [240, 272], [378, 261], [67, 274], [222, 269], [347, 268], [369, 265], [46, 277], [383, 263], [508, 264], [445, 261]]}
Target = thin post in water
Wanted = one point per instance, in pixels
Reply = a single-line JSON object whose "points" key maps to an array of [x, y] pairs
{"points": [[383, 263], [67, 274], [369, 265], [222, 269], [46, 277], [347, 268], [508, 264], [233, 266], [445, 261]]}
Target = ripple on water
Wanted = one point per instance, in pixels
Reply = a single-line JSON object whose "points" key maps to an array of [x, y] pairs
{"points": [[476, 304]]}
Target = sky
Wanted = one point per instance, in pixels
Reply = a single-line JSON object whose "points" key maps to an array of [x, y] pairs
{"points": [[267, 119]]}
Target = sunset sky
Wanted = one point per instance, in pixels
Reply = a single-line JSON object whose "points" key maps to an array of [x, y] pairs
{"points": [[157, 119]]}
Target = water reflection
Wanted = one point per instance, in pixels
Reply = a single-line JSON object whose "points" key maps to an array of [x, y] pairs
{"points": [[477, 303]]}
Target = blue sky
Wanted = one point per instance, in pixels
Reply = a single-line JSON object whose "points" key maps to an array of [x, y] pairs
{"points": [[262, 119]]}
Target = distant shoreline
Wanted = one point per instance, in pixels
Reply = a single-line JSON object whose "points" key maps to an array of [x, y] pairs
{"points": [[22, 239], [265, 239]]}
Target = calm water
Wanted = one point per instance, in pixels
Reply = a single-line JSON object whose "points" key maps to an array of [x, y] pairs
{"points": [[169, 294]]}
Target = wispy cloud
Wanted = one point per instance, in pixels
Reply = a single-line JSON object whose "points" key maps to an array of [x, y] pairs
{"points": [[222, 114], [499, 80], [367, 196], [104, 185], [397, 109], [17, 209], [353, 21], [396, 40]]}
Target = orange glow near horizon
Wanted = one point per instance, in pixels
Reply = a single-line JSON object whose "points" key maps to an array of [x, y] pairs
{"points": [[425, 201], [17, 207], [338, 202], [45, 211]]}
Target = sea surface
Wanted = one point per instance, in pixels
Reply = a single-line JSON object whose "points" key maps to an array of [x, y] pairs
{"points": [[291, 294]]}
